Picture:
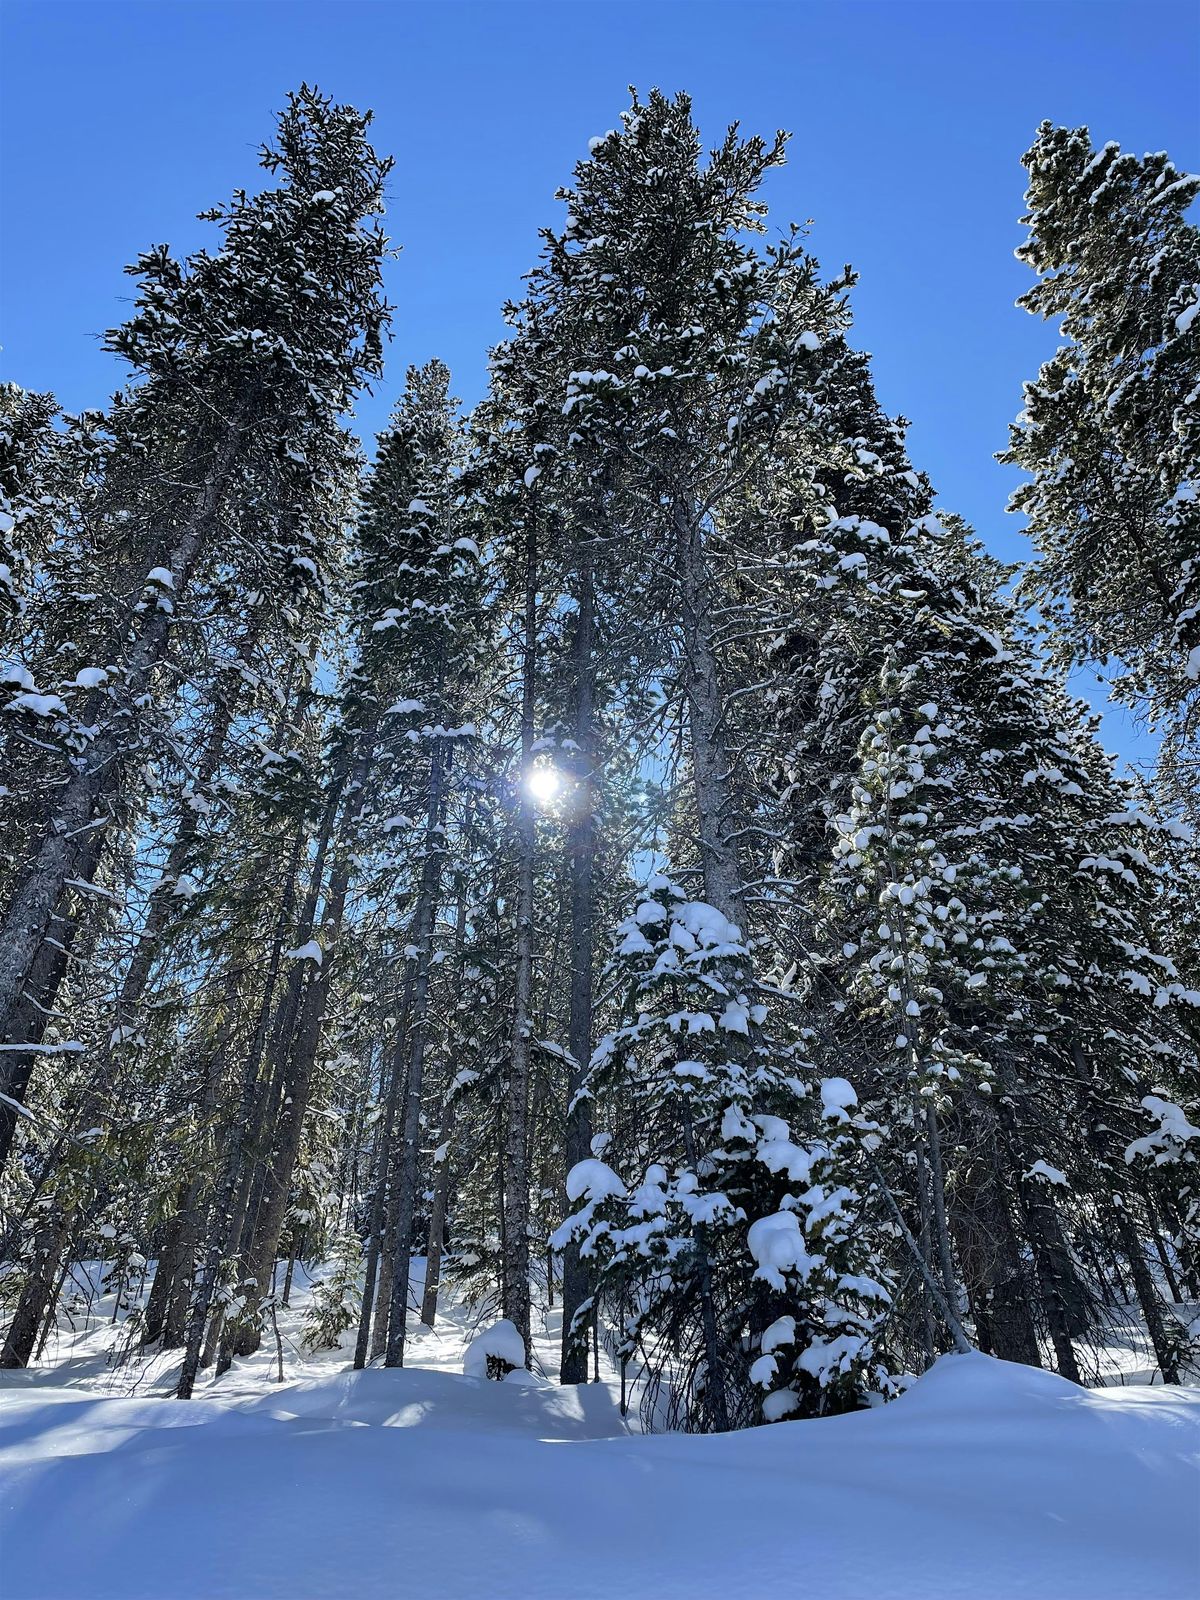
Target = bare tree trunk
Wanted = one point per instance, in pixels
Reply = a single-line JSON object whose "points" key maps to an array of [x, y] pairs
{"points": [[424, 921], [445, 1167], [383, 1168], [1131, 1247], [158, 907], [938, 1187], [712, 777], [714, 1373], [712, 774], [1148, 1297], [581, 847], [296, 1084], [515, 1226], [988, 1249], [1047, 1264], [165, 1271], [225, 1223], [297, 1045], [437, 1225], [38, 1293], [27, 1022]]}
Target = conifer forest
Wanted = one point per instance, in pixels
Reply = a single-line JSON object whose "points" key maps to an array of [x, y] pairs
{"points": [[609, 882]]}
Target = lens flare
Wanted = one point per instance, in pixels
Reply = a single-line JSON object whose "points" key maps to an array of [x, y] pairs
{"points": [[544, 784]]}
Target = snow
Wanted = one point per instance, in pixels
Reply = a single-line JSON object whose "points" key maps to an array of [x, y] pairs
{"points": [[161, 576], [984, 1481], [777, 1244], [593, 1180], [1173, 1132], [1047, 1173], [307, 952], [502, 1341], [782, 1331], [837, 1096], [38, 705]]}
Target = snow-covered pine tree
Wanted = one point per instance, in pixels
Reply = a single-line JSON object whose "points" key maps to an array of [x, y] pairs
{"points": [[420, 596], [27, 455], [244, 360], [1110, 430], [335, 1302], [729, 1238]]}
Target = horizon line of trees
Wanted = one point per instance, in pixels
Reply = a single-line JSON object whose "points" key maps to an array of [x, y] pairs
{"points": [[620, 843]]}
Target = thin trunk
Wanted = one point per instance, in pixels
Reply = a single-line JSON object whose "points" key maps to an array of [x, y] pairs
{"points": [[27, 1022], [581, 847], [1165, 1351], [424, 920], [445, 1167], [225, 1224], [515, 1224], [712, 775], [165, 1269], [296, 1050], [158, 908], [383, 1167], [938, 1186], [437, 1225], [714, 1367], [37, 1294]]}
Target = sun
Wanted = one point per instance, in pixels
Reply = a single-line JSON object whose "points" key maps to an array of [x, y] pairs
{"points": [[544, 784]]}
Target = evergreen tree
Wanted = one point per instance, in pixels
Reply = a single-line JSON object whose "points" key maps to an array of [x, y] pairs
{"points": [[274, 332], [736, 1243], [1110, 431]]}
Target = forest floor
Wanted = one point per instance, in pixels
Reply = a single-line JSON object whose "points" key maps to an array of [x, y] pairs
{"points": [[984, 1480]]}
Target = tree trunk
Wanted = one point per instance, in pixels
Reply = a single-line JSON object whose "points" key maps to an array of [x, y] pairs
{"points": [[225, 1222], [38, 1293], [297, 1043], [27, 1022], [383, 1169], [424, 920], [1148, 1298], [437, 1225], [158, 907], [85, 798], [581, 847], [515, 1227], [712, 775]]}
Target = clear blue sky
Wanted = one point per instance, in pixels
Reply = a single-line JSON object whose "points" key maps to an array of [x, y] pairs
{"points": [[120, 119]]}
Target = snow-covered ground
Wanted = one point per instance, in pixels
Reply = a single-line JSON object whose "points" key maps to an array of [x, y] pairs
{"points": [[985, 1480]]}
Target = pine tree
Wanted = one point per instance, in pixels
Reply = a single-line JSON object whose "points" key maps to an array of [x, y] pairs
{"points": [[1110, 431], [735, 1244], [276, 360]]}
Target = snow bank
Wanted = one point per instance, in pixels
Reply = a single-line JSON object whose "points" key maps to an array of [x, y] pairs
{"points": [[985, 1480]]}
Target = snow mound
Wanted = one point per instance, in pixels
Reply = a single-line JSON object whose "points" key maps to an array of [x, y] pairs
{"points": [[501, 1341], [984, 1480]]}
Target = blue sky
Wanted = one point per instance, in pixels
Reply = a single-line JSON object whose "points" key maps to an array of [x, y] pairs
{"points": [[119, 121]]}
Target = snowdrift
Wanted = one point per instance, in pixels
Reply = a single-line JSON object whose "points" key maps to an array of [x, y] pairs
{"points": [[986, 1480]]}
